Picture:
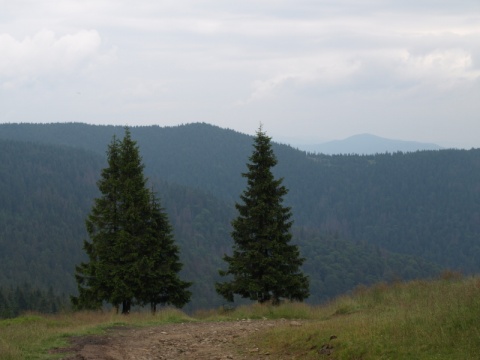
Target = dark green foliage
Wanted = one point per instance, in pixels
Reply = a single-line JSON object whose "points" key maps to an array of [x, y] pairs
{"points": [[425, 204], [17, 300], [215, 156], [202, 228], [44, 194], [335, 265], [158, 281], [264, 265], [47, 192], [132, 256]]}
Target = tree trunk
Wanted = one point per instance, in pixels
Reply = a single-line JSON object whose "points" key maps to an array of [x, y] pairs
{"points": [[126, 304]]}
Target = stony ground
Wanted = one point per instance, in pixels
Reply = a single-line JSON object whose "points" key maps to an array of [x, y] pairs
{"points": [[203, 340]]}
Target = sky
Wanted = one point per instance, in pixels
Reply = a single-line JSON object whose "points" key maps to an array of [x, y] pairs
{"points": [[307, 70]]}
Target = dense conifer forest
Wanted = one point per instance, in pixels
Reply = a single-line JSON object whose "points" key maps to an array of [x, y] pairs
{"points": [[17, 300], [357, 219]]}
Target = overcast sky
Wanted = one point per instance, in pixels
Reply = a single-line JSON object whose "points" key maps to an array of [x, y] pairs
{"points": [[309, 70]]}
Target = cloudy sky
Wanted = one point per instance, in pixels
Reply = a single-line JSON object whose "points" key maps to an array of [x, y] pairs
{"points": [[309, 70]]}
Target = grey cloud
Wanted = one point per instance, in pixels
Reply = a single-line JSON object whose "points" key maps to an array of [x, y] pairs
{"points": [[305, 66], [46, 54]]}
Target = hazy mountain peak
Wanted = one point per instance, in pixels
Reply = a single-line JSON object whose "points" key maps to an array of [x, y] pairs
{"points": [[368, 144]]}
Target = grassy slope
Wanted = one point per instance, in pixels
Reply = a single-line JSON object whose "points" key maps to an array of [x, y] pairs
{"points": [[414, 320], [32, 336]]}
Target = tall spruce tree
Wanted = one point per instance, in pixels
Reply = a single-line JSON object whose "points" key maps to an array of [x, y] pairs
{"points": [[264, 265], [95, 278], [125, 235], [159, 268]]}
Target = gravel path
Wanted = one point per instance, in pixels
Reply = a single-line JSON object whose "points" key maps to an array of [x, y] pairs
{"points": [[202, 340]]}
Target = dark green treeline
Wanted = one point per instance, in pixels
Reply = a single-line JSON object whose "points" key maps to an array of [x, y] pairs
{"points": [[358, 219]]}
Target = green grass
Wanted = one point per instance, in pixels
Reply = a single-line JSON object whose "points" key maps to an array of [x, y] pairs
{"points": [[437, 319], [257, 311], [416, 320], [31, 336]]}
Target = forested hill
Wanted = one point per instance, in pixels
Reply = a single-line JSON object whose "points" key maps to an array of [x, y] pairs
{"points": [[46, 192], [425, 203], [196, 155]]}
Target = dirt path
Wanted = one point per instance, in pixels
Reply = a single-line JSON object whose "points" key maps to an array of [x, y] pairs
{"points": [[218, 340]]}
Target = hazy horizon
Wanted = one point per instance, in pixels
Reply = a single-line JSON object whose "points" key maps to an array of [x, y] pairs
{"points": [[310, 71]]}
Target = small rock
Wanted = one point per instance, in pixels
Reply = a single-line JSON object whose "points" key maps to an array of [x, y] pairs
{"points": [[295, 323], [326, 349]]}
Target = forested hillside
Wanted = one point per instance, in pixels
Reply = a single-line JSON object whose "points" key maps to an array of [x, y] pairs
{"points": [[197, 155], [46, 192], [423, 203], [352, 213]]}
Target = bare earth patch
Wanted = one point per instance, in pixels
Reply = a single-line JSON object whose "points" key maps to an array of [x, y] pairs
{"points": [[202, 340]]}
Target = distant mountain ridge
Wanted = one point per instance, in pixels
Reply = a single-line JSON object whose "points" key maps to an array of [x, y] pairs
{"points": [[358, 219], [367, 144], [47, 190]]}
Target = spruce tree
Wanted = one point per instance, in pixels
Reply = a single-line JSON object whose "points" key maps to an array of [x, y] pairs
{"points": [[95, 278], [124, 233], [159, 265], [264, 265]]}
